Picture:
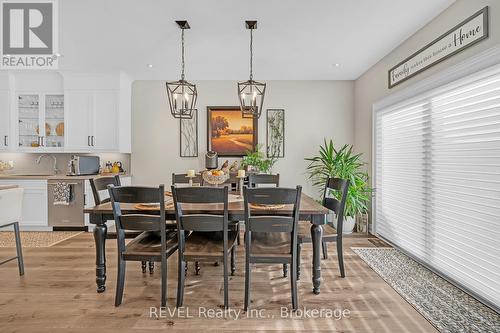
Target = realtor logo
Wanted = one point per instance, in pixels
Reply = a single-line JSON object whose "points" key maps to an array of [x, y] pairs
{"points": [[29, 38]]}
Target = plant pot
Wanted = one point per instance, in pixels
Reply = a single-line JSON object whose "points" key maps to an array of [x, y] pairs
{"points": [[349, 223]]}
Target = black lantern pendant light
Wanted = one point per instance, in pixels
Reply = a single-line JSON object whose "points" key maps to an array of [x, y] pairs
{"points": [[251, 93], [182, 94]]}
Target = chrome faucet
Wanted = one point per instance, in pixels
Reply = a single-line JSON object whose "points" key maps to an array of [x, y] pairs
{"points": [[39, 159]]}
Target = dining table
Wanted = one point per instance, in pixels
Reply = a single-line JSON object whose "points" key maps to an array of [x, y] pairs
{"points": [[310, 211]]}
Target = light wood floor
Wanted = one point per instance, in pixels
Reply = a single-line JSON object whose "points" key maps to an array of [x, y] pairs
{"points": [[57, 294]]}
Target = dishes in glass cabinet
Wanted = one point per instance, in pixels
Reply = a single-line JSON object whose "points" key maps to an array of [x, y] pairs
{"points": [[60, 129], [48, 129]]}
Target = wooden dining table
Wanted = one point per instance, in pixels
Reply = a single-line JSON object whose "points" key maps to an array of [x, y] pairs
{"points": [[310, 210]]}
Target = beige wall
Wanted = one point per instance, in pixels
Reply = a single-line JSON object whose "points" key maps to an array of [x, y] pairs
{"points": [[313, 110], [372, 85]]}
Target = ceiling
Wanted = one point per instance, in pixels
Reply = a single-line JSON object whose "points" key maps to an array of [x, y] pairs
{"points": [[295, 40]]}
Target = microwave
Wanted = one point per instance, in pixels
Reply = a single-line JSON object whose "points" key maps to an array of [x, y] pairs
{"points": [[83, 165]]}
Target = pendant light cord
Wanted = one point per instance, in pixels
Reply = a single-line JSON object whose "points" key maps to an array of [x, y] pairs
{"points": [[251, 54], [182, 55]]}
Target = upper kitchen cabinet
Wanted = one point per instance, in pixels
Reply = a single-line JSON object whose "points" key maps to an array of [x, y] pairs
{"points": [[98, 110], [5, 111], [40, 119], [4, 120], [65, 112], [92, 121]]}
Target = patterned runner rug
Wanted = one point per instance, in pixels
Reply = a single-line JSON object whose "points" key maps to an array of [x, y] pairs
{"points": [[36, 238], [445, 306]]}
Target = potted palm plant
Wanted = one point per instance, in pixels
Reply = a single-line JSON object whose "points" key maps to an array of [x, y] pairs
{"points": [[342, 163]]}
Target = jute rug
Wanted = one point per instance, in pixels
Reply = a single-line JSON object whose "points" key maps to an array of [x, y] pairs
{"points": [[445, 306], [36, 238]]}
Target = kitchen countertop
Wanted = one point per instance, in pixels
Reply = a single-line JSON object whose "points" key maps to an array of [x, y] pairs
{"points": [[35, 176]]}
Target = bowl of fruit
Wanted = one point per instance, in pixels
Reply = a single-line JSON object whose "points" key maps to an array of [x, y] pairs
{"points": [[215, 177]]}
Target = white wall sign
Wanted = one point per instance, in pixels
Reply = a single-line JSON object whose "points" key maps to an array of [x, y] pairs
{"points": [[467, 33]]}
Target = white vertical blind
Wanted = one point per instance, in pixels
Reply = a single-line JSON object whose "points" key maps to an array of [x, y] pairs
{"points": [[437, 180]]}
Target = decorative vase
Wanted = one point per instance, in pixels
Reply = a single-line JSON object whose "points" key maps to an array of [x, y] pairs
{"points": [[349, 223]]}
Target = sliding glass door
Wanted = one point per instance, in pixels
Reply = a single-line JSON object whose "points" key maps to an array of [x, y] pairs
{"points": [[437, 180]]}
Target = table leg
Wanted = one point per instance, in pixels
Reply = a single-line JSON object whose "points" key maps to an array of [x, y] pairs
{"points": [[316, 235], [100, 232]]}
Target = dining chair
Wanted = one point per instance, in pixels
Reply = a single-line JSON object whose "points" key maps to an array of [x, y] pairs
{"points": [[201, 245], [155, 243], [271, 236], [256, 180], [101, 184], [330, 233], [181, 178]]}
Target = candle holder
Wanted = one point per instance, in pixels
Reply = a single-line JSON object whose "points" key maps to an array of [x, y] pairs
{"points": [[190, 180], [241, 179]]}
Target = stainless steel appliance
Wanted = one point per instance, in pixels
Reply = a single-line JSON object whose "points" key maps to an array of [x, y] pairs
{"points": [[83, 165], [70, 215]]}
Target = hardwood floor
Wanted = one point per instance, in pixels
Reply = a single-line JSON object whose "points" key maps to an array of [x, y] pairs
{"points": [[57, 294]]}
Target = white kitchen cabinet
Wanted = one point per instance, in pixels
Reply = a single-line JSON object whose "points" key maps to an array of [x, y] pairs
{"points": [[4, 120], [40, 122], [34, 215], [92, 121], [105, 134], [78, 120]]}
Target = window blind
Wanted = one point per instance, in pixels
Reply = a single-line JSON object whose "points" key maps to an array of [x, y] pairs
{"points": [[437, 180]]}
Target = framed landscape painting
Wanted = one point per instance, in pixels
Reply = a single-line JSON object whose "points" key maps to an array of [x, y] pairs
{"points": [[229, 134]]}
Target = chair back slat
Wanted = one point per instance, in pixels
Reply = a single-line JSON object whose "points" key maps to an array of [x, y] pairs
{"points": [[254, 180], [270, 224], [140, 222], [202, 222], [137, 194], [101, 184], [269, 196], [201, 195], [332, 203]]}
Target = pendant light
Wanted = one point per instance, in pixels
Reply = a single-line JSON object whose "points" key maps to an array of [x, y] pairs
{"points": [[251, 93], [182, 94]]}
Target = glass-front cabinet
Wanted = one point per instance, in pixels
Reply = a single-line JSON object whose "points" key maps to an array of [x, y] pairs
{"points": [[40, 121]]}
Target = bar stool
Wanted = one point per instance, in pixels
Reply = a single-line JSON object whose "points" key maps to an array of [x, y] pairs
{"points": [[11, 200]]}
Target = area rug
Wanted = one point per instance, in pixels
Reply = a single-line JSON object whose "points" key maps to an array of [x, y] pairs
{"points": [[445, 306], [36, 238]]}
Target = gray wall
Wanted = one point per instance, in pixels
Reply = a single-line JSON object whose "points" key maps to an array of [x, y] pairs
{"points": [[372, 85], [313, 110]]}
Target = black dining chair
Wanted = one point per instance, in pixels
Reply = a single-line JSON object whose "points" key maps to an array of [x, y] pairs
{"points": [[197, 180], [101, 184], [154, 244], [271, 236], [256, 180], [330, 234], [202, 243]]}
